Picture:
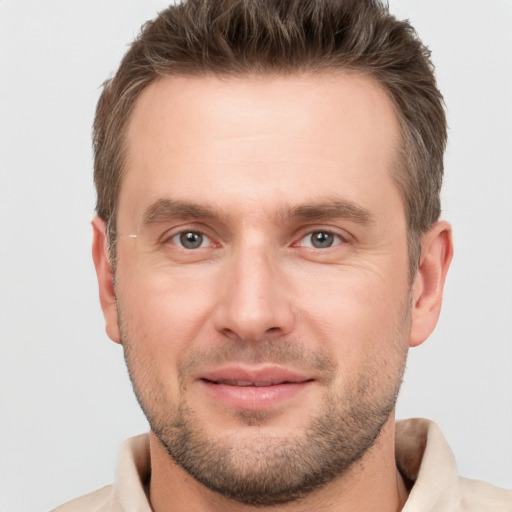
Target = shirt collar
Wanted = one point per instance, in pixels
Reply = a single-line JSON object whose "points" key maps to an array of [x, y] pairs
{"points": [[424, 457]]}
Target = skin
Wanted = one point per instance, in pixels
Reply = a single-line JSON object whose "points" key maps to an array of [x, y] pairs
{"points": [[254, 152]]}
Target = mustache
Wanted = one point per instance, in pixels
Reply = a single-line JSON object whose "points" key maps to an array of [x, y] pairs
{"points": [[285, 352]]}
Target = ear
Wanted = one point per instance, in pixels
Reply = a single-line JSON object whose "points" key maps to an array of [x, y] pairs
{"points": [[105, 278], [427, 290]]}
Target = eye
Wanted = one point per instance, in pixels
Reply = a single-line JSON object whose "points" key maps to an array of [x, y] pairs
{"points": [[320, 240], [191, 240]]}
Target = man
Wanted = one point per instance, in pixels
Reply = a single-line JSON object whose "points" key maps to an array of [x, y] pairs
{"points": [[268, 247]]}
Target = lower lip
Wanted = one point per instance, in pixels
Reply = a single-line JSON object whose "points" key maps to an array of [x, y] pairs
{"points": [[254, 398]]}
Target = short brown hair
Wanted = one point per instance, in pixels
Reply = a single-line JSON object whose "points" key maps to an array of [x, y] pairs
{"points": [[241, 37]]}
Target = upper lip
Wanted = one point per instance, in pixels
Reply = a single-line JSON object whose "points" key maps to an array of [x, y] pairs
{"points": [[247, 376]]}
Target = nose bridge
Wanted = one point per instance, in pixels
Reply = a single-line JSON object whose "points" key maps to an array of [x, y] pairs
{"points": [[254, 301]]}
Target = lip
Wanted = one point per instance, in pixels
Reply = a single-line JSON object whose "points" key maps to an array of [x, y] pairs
{"points": [[254, 388]]}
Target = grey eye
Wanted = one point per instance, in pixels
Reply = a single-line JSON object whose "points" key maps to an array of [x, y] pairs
{"points": [[322, 239], [190, 239]]}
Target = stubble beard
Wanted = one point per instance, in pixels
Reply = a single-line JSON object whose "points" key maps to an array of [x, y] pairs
{"points": [[271, 469]]}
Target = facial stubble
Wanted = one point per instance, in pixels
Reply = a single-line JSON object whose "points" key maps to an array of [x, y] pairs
{"points": [[272, 469]]}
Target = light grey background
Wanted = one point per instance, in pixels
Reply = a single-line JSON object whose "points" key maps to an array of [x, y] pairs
{"points": [[66, 403]]}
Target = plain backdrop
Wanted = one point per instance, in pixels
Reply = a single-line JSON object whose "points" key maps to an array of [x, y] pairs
{"points": [[65, 400]]}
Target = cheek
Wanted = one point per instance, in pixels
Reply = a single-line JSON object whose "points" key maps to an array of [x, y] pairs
{"points": [[167, 312], [355, 313], [365, 331], [160, 324]]}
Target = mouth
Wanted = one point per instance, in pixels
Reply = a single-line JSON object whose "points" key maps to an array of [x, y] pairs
{"points": [[254, 388], [247, 383]]}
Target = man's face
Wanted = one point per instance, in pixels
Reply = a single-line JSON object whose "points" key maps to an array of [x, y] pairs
{"points": [[264, 306]]}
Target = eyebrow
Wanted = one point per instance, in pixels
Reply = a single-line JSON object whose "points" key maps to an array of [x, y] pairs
{"points": [[332, 209], [165, 208]]}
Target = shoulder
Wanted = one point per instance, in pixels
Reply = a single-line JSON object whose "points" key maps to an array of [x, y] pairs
{"points": [[477, 496], [128, 491], [425, 459], [97, 501]]}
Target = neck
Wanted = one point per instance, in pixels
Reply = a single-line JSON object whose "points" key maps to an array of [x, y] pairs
{"points": [[373, 483]]}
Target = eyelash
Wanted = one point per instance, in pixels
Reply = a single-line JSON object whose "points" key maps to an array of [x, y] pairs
{"points": [[189, 232], [337, 239], [332, 234]]}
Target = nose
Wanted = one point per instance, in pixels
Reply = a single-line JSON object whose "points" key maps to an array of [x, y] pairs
{"points": [[254, 299]]}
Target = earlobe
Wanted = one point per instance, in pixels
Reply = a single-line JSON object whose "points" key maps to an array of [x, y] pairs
{"points": [[427, 290], [105, 279]]}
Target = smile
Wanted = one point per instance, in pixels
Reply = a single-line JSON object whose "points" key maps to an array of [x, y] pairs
{"points": [[260, 388]]}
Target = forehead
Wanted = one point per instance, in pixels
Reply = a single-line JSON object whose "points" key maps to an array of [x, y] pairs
{"points": [[287, 139]]}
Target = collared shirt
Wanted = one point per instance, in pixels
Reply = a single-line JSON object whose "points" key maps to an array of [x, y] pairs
{"points": [[422, 454]]}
